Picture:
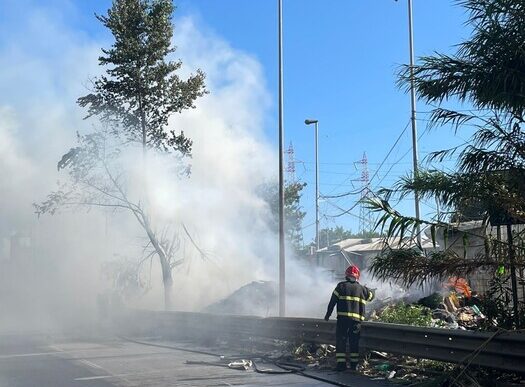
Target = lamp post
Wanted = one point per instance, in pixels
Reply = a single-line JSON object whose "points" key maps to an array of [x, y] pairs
{"points": [[413, 115], [316, 123], [282, 266]]}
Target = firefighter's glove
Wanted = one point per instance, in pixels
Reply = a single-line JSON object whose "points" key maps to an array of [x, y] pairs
{"points": [[326, 317]]}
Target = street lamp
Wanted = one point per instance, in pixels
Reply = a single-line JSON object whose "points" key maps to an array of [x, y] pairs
{"points": [[316, 122], [413, 115], [282, 266]]}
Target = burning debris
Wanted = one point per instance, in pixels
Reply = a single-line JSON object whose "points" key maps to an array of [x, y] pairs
{"points": [[457, 307], [452, 312]]}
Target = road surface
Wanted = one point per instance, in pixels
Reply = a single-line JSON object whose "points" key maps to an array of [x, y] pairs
{"points": [[45, 361]]}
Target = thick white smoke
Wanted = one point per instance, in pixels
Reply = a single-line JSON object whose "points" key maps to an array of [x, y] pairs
{"points": [[218, 204], [57, 277]]}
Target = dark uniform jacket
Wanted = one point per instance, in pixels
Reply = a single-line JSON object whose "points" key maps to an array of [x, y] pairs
{"points": [[350, 297]]}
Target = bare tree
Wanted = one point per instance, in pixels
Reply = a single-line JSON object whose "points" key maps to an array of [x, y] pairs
{"points": [[96, 178]]}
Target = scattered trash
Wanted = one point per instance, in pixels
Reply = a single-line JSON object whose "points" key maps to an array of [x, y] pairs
{"points": [[240, 365], [433, 301], [451, 310], [382, 355], [460, 285], [443, 315], [383, 367], [320, 354], [451, 303]]}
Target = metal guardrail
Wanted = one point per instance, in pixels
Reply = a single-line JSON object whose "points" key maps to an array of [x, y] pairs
{"points": [[505, 351]]}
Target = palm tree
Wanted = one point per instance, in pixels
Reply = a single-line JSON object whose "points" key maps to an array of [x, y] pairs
{"points": [[488, 72]]}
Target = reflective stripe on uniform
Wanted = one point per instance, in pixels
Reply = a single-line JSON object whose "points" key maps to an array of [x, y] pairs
{"points": [[354, 354], [348, 314], [340, 360], [371, 296], [336, 293], [340, 354], [351, 298]]}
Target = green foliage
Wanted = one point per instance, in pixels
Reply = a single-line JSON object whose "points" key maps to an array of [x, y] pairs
{"points": [[402, 313], [141, 89], [487, 67], [486, 72], [496, 304], [489, 183], [409, 266], [293, 213]]}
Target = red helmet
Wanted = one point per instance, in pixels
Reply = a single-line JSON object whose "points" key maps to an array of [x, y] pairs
{"points": [[352, 271]]}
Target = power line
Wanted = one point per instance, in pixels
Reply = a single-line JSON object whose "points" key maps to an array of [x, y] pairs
{"points": [[390, 151], [357, 192], [330, 163], [402, 157], [377, 170], [346, 212]]}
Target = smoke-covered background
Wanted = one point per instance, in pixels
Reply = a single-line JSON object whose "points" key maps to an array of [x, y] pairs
{"points": [[55, 267]]}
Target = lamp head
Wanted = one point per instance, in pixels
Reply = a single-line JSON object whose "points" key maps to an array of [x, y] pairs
{"points": [[309, 122]]}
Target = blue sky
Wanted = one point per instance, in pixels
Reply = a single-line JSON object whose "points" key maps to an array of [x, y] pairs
{"points": [[341, 58]]}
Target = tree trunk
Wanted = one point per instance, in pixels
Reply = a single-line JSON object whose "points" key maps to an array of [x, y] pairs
{"points": [[143, 126], [168, 288], [167, 279]]}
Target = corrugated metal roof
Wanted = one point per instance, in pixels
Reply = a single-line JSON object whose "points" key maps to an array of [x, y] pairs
{"points": [[374, 244]]}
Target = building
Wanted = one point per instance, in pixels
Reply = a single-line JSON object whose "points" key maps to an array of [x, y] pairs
{"points": [[358, 251]]}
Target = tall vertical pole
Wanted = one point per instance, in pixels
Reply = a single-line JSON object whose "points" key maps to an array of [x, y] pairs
{"points": [[413, 116], [317, 185], [513, 280], [282, 266]]}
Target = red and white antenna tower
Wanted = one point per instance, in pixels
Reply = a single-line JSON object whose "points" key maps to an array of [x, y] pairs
{"points": [[290, 168], [365, 219]]}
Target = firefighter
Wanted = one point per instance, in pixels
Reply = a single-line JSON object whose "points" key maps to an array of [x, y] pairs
{"points": [[350, 298]]}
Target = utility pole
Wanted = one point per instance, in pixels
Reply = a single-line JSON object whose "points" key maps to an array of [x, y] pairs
{"points": [[290, 169], [365, 219], [413, 116], [317, 236], [282, 258]]}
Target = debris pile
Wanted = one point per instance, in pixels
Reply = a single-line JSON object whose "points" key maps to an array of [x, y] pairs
{"points": [[456, 308], [401, 369], [457, 311], [405, 370], [313, 355], [452, 312], [257, 298]]}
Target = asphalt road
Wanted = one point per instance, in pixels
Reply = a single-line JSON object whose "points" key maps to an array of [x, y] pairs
{"points": [[44, 361]]}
